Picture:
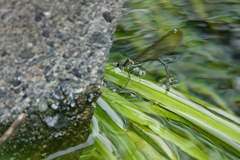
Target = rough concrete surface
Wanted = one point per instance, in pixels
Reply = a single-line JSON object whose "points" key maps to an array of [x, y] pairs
{"points": [[52, 58]]}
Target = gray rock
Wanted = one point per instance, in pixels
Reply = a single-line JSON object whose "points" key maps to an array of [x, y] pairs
{"points": [[43, 106], [56, 122], [52, 53]]}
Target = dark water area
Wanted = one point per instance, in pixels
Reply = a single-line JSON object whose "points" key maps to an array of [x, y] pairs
{"points": [[205, 64]]}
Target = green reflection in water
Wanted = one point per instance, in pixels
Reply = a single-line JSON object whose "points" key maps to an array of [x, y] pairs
{"points": [[204, 69]]}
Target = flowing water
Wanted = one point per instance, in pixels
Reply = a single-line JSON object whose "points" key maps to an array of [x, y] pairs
{"points": [[205, 75], [206, 64]]}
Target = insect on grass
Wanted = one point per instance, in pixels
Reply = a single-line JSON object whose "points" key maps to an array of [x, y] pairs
{"points": [[164, 45]]}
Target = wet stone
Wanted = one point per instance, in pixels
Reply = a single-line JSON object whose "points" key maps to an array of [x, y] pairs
{"points": [[97, 45], [46, 33], [65, 55], [52, 62], [73, 118], [49, 50], [67, 67], [1, 112], [91, 54], [49, 77], [107, 16], [29, 126], [32, 109], [64, 85], [78, 55], [112, 37], [105, 40], [33, 118], [3, 94], [73, 104], [30, 93], [77, 91], [92, 81], [90, 97], [44, 154], [24, 87], [43, 105], [26, 54], [15, 81], [96, 37], [13, 112], [36, 125], [17, 74], [92, 26], [4, 53], [24, 96], [64, 107], [68, 102], [38, 17], [58, 34], [33, 139], [66, 37], [76, 73], [86, 18], [56, 122], [47, 25], [89, 69], [54, 106], [17, 90], [75, 96], [50, 43], [23, 130], [82, 33], [57, 95], [22, 139], [47, 70], [42, 87]]}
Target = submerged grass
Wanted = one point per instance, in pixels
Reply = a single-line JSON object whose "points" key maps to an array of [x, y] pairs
{"points": [[144, 121], [163, 124]]}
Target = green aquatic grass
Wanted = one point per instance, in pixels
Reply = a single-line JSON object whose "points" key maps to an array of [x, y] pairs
{"points": [[216, 133], [120, 139], [174, 124]]}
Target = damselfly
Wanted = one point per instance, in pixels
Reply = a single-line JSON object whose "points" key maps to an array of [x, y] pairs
{"points": [[164, 45]]}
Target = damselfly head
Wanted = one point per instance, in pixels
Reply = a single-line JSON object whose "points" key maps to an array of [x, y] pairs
{"points": [[119, 64]]}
